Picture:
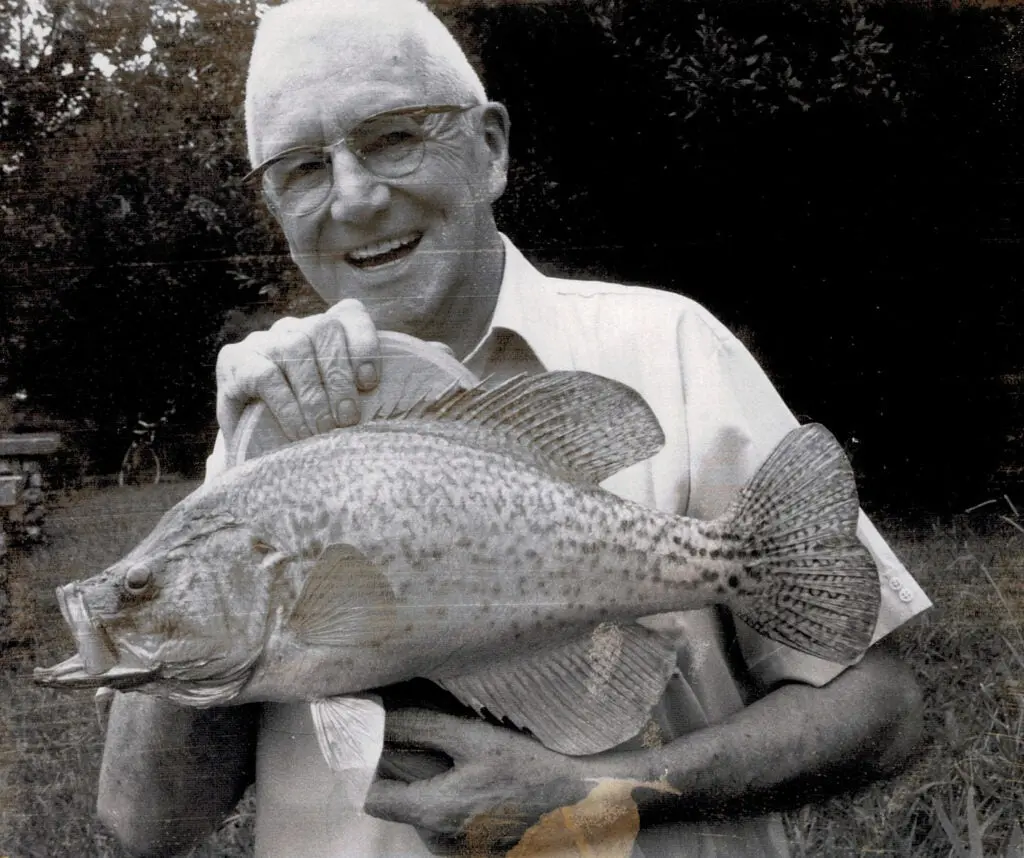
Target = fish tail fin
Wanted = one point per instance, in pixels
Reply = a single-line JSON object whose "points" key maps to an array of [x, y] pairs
{"points": [[809, 583]]}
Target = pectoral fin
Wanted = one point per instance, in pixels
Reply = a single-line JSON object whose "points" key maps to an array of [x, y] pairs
{"points": [[347, 601], [350, 731], [582, 697]]}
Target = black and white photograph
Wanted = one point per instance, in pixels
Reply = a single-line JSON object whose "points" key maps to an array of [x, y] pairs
{"points": [[511, 428]]}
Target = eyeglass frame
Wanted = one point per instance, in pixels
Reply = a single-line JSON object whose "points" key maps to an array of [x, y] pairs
{"points": [[259, 171]]}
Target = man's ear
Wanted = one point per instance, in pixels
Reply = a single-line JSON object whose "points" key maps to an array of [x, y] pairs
{"points": [[495, 127]]}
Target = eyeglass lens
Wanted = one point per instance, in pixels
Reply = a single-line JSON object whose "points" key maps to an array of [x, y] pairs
{"points": [[389, 146]]}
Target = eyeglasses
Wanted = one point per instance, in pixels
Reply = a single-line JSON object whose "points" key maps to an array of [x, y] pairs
{"points": [[389, 145]]}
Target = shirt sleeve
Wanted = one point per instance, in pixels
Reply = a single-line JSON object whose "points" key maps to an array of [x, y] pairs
{"points": [[735, 418]]}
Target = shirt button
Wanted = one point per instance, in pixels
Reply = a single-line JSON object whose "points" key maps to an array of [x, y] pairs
{"points": [[895, 583], [906, 595]]}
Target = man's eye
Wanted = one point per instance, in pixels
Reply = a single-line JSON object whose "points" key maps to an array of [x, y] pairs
{"points": [[297, 171], [307, 167], [391, 140]]}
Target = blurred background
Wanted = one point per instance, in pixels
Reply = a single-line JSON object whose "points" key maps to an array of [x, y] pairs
{"points": [[838, 180]]}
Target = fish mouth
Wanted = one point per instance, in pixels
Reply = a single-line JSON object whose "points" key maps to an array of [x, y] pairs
{"points": [[94, 644], [97, 662], [72, 674]]}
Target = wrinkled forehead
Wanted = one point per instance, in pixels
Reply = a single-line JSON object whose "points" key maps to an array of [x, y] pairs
{"points": [[310, 79]]}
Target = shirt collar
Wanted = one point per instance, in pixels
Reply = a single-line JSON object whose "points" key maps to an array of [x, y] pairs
{"points": [[524, 307]]}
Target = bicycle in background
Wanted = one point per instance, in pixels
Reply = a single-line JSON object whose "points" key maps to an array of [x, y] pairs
{"points": [[141, 463]]}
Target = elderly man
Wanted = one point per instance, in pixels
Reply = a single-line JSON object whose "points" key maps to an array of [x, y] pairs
{"points": [[380, 156]]}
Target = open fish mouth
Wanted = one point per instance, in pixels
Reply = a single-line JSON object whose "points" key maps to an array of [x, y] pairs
{"points": [[94, 644], [72, 673], [97, 662]]}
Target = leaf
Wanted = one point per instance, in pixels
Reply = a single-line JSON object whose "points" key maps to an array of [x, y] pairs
{"points": [[760, 40], [753, 58]]}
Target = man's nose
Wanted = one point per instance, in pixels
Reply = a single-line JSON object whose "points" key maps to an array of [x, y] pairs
{"points": [[356, 193]]}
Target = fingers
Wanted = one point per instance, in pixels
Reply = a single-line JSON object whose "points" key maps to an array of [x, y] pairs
{"points": [[301, 405], [412, 764], [412, 803], [361, 340], [242, 370], [338, 402], [256, 369], [435, 731], [307, 371], [436, 819]]}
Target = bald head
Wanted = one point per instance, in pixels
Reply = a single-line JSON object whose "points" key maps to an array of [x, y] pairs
{"points": [[375, 42]]}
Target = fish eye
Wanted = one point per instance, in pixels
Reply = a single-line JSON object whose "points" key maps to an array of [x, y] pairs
{"points": [[261, 547], [137, 579]]}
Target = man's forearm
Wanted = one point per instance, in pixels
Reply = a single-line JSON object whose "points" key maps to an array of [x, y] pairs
{"points": [[171, 774], [795, 745]]}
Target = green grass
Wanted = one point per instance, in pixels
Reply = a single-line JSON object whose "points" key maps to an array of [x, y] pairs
{"points": [[963, 795]]}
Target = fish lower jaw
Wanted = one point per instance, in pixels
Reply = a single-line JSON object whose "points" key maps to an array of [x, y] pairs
{"points": [[72, 673]]}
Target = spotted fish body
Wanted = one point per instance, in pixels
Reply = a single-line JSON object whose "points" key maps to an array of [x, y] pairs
{"points": [[468, 542]]}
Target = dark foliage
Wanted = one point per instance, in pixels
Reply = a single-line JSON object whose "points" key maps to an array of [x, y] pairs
{"points": [[837, 181]]}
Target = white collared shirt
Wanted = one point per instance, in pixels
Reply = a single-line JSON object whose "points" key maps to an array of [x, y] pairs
{"points": [[721, 417]]}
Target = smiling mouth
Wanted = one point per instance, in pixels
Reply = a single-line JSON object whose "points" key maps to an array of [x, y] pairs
{"points": [[383, 252]]}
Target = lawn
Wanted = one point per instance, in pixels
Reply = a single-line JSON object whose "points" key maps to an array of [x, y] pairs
{"points": [[963, 796]]}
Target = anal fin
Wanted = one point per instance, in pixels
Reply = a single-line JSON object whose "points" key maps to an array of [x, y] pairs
{"points": [[581, 697]]}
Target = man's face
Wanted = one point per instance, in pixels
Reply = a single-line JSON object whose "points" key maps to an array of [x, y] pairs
{"points": [[405, 247]]}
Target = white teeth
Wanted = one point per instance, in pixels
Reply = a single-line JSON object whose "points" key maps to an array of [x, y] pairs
{"points": [[371, 250]]}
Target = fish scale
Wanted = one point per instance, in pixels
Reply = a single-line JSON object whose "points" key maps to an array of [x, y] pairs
{"points": [[467, 540]]}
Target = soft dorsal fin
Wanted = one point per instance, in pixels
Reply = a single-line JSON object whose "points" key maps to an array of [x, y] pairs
{"points": [[589, 425]]}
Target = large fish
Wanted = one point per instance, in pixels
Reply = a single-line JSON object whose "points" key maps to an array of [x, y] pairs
{"points": [[468, 541]]}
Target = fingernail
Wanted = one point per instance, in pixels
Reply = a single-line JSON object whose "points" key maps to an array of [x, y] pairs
{"points": [[325, 423], [348, 413], [304, 432], [366, 375]]}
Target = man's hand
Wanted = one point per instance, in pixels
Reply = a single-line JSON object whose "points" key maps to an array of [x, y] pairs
{"points": [[307, 371], [500, 785], [798, 743]]}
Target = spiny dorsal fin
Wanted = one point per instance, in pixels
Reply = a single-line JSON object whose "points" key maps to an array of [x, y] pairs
{"points": [[589, 425], [580, 697]]}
